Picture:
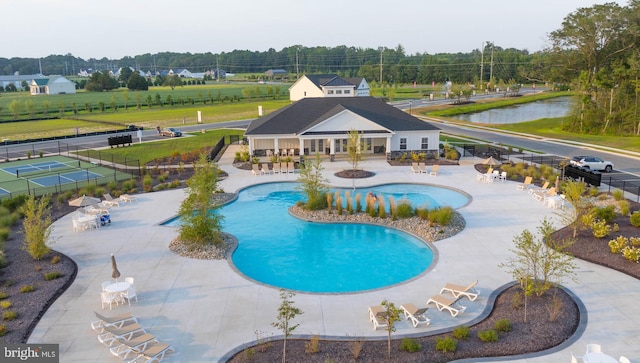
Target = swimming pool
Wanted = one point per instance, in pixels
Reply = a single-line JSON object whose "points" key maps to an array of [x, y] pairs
{"points": [[282, 251]]}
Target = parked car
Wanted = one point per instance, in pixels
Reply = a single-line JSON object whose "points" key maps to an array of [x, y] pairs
{"points": [[171, 132], [592, 162], [134, 128]]}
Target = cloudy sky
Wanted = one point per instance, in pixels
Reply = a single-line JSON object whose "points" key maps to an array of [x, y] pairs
{"points": [[118, 28]]}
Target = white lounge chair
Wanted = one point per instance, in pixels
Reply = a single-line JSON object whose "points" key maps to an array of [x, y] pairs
{"points": [[153, 353], [434, 170], [526, 185], [422, 167], [444, 303], [417, 316], [110, 201], [127, 198], [133, 346], [415, 168], [376, 315], [276, 168], [541, 189], [255, 169], [116, 321], [112, 335], [459, 290], [291, 167], [265, 169]]}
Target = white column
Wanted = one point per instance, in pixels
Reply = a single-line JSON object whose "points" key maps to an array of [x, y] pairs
{"points": [[275, 146], [301, 147], [332, 145], [388, 148]]}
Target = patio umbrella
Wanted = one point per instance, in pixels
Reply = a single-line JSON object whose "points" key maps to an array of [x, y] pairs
{"points": [[83, 201], [114, 268], [491, 161]]}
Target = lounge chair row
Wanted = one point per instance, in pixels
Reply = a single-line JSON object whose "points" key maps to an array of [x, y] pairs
{"points": [[127, 340], [417, 317], [278, 168], [421, 168]]}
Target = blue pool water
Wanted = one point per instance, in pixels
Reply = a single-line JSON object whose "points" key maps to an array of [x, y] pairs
{"points": [[280, 250]]}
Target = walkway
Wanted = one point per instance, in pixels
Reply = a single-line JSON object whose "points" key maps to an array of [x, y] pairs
{"points": [[205, 309]]}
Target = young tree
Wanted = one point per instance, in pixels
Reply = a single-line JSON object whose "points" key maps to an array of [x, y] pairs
{"points": [[286, 312], [36, 223], [539, 263], [172, 81], [200, 222], [391, 315], [313, 183], [355, 147], [573, 191]]}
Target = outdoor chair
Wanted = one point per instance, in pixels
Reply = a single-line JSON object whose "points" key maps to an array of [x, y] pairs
{"points": [[443, 303], [459, 290], [415, 315], [376, 315]]}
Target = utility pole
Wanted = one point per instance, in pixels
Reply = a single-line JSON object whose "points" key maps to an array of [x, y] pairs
{"points": [[481, 62], [491, 64], [297, 64], [380, 49]]}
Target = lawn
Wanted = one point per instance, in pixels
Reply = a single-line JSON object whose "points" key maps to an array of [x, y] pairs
{"points": [[150, 151]]}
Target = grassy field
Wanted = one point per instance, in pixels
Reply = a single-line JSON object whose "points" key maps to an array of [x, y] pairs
{"points": [[78, 103], [150, 151]]}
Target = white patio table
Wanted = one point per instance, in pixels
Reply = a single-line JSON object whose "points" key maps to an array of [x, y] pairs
{"points": [[598, 357]]}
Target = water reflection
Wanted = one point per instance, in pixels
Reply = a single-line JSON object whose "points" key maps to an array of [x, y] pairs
{"points": [[551, 108]]}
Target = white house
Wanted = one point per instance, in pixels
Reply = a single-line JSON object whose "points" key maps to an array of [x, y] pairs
{"points": [[328, 85], [53, 85], [322, 124]]}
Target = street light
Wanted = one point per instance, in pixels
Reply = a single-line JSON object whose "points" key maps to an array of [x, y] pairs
{"points": [[410, 102]]}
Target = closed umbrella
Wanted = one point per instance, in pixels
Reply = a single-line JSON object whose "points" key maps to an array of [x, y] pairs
{"points": [[83, 201], [491, 161], [114, 268]]}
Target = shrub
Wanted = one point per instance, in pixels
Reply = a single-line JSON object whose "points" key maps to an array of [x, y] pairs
{"points": [[631, 253], [635, 219], [446, 344], [488, 335], [422, 213], [606, 214], [55, 260], [461, 332], [635, 241], [3, 295], [4, 234], [625, 207], [404, 209], [27, 288], [9, 315], [600, 228], [616, 245], [618, 195], [503, 325], [313, 345], [147, 183], [442, 216], [52, 275], [593, 192], [356, 347], [410, 345], [3, 330], [5, 304]]}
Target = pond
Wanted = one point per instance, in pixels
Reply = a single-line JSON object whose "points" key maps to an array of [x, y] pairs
{"points": [[550, 108]]}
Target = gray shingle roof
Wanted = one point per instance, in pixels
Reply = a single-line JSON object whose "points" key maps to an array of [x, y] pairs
{"points": [[307, 112]]}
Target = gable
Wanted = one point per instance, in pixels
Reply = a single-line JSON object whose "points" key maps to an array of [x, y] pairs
{"points": [[345, 121]]}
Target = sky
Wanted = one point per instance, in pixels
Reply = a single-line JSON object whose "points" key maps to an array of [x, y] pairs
{"points": [[119, 28]]}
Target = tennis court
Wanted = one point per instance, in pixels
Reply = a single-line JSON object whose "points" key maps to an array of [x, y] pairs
{"points": [[53, 174]]}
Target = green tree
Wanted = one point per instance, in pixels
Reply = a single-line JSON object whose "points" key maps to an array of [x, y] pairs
{"points": [[313, 183], [539, 263], [15, 107], [125, 74], [573, 191], [286, 312], [36, 223], [355, 148], [200, 221], [390, 315], [172, 81]]}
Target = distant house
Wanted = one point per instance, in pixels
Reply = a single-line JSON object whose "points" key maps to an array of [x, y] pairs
{"points": [[17, 80], [322, 125], [328, 85], [53, 85], [85, 72], [181, 72], [275, 73]]}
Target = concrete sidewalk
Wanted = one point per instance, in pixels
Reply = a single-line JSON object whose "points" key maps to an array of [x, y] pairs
{"points": [[206, 310]]}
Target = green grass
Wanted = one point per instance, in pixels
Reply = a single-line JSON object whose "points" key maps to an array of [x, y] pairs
{"points": [[148, 152]]}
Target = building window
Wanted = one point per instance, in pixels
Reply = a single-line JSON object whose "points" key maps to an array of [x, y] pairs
{"points": [[346, 92], [424, 145], [312, 146], [321, 146], [367, 144], [339, 92], [403, 143], [330, 92]]}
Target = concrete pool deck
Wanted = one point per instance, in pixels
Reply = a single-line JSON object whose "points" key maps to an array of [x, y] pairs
{"points": [[206, 310]]}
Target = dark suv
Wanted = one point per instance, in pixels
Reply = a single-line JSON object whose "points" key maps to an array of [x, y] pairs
{"points": [[171, 132]]}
